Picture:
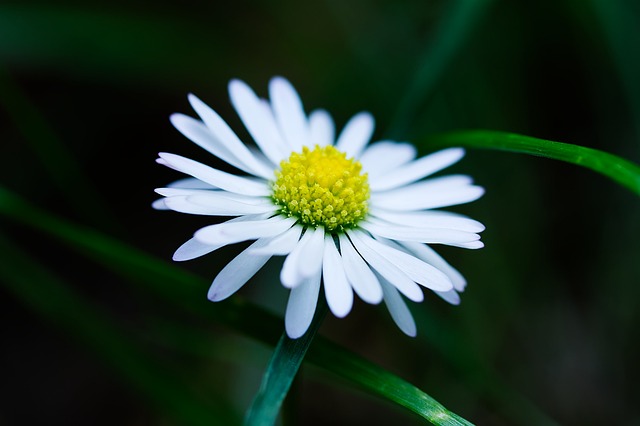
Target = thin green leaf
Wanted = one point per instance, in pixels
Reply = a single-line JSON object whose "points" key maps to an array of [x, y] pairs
{"points": [[620, 170], [380, 382], [52, 299], [453, 30], [186, 290], [279, 375]]}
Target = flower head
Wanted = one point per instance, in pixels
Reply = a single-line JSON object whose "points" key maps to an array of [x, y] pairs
{"points": [[348, 216]]}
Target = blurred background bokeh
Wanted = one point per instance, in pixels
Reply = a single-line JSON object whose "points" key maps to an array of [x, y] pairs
{"points": [[549, 325]]}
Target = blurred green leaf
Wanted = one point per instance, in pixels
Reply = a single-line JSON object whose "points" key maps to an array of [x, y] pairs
{"points": [[111, 46], [60, 163], [186, 290], [449, 37], [618, 169], [51, 298], [619, 25]]}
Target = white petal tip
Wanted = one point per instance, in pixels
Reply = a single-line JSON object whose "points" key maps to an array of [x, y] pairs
{"points": [[410, 333], [277, 80], [450, 296], [236, 84], [416, 296], [178, 120], [341, 312], [159, 204], [290, 282], [178, 258], [295, 333], [213, 294], [193, 99], [474, 245], [373, 299]]}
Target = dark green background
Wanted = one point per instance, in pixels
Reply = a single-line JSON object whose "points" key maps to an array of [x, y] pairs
{"points": [[549, 322]]}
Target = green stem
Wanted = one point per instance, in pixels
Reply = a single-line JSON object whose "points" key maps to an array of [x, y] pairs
{"points": [[282, 369], [616, 168]]}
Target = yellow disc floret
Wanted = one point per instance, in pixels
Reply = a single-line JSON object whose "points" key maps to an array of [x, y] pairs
{"points": [[322, 187]]}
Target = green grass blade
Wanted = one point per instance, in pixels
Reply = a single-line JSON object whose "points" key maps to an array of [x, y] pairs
{"points": [[618, 169], [280, 373], [380, 382], [187, 291], [449, 37], [53, 300]]}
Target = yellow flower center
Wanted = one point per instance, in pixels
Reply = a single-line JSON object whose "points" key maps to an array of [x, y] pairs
{"points": [[322, 187]]}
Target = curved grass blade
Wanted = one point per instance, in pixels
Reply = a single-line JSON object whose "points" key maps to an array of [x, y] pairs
{"points": [[380, 382], [616, 168], [51, 298], [186, 290], [282, 369]]}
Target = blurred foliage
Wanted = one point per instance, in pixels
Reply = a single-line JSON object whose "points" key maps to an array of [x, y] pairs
{"points": [[548, 327]]}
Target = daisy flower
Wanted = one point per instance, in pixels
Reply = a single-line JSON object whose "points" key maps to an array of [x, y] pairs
{"points": [[349, 217]]}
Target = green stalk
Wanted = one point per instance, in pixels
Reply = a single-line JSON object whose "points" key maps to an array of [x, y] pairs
{"points": [[283, 367]]}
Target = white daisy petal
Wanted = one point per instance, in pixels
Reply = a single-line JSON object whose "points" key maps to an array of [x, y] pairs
{"points": [[336, 287], [214, 177], [450, 296], [290, 275], [302, 306], [160, 205], [258, 121], [429, 194], [282, 244], [398, 309], [430, 219], [193, 249], [422, 235], [305, 259], [356, 134], [382, 257], [321, 128], [473, 245], [201, 135], [213, 204], [383, 156], [172, 192], [221, 130], [386, 268], [190, 183], [416, 170], [237, 272], [416, 269], [429, 255], [234, 232], [359, 274], [312, 253], [289, 113]]}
